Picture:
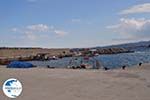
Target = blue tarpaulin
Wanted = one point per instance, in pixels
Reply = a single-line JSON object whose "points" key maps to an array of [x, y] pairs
{"points": [[19, 64]]}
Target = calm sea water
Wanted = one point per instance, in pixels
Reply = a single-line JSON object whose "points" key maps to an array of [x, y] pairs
{"points": [[110, 61], [127, 59]]}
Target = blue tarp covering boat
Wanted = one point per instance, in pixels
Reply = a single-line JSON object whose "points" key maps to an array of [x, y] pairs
{"points": [[19, 64]]}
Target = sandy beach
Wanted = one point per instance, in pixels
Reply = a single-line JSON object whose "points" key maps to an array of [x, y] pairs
{"points": [[68, 84]]}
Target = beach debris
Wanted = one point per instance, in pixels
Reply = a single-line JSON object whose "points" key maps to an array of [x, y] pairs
{"points": [[83, 66], [73, 67], [140, 64], [48, 66], [123, 67], [106, 68], [78, 67]]}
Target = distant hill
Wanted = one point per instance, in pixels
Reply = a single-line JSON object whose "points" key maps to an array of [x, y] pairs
{"points": [[138, 46]]}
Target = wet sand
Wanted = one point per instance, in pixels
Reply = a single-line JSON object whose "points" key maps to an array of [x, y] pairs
{"points": [[68, 84]]}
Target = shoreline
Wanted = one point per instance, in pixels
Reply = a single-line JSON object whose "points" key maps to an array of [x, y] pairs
{"points": [[44, 67]]}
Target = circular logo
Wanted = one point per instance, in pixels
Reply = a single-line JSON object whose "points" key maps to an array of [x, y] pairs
{"points": [[12, 88]]}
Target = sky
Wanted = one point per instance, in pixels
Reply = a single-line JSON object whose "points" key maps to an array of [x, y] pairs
{"points": [[73, 23]]}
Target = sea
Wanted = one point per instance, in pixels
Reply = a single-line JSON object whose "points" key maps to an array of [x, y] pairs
{"points": [[111, 61]]}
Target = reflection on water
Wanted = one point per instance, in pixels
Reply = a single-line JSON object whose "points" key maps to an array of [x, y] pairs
{"points": [[111, 61]]}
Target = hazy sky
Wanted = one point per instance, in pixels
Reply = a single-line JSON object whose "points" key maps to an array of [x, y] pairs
{"points": [[73, 23]]}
